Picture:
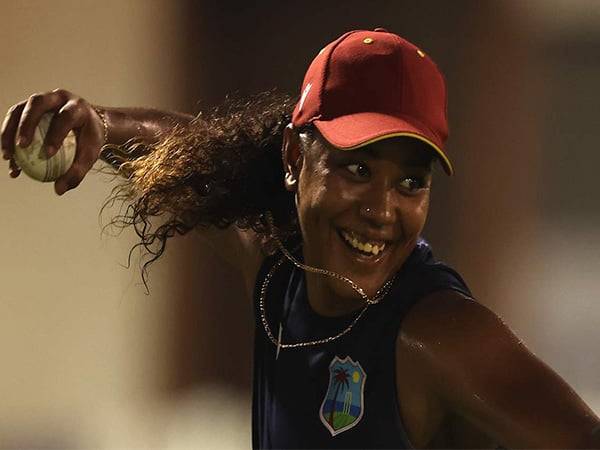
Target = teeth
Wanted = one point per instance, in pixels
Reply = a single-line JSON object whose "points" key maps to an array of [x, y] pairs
{"points": [[366, 247]]}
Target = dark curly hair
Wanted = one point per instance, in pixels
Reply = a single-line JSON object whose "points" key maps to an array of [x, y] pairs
{"points": [[224, 168]]}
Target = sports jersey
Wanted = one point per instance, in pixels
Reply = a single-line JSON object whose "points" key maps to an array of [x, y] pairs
{"points": [[341, 394]]}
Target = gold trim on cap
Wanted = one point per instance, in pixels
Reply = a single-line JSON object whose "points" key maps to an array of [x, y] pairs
{"points": [[439, 151]]}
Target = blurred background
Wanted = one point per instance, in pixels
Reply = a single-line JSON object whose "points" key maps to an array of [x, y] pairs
{"points": [[90, 361]]}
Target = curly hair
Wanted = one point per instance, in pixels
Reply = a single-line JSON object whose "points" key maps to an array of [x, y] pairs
{"points": [[224, 168]]}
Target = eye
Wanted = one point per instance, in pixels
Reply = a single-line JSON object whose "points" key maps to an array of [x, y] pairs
{"points": [[412, 184], [359, 169]]}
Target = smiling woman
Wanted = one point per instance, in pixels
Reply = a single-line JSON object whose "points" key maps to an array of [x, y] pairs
{"points": [[342, 281], [363, 339]]}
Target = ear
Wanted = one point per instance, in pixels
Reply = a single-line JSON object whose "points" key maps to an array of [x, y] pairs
{"points": [[293, 157]]}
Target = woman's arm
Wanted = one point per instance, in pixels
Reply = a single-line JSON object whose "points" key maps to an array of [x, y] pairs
{"points": [[93, 126], [144, 123], [484, 374], [96, 126]]}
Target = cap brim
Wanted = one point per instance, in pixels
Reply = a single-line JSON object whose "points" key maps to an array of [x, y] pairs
{"points": [[353, 131]]}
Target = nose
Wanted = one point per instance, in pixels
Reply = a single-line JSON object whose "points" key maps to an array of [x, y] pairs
{"points": [[379, 207]]}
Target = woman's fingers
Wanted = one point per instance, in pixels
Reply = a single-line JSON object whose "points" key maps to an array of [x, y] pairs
{"points": [[89, 140], [69, 117], [22, 118], [14, 169], [70, 179], [72, 113], [9, 129], [35, 107], [76, 173]]}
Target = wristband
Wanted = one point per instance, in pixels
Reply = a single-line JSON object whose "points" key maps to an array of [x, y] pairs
{"points": [[104, 124]]}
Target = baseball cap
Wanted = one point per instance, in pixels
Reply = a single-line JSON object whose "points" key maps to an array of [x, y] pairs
{"points": [[371, 85]]}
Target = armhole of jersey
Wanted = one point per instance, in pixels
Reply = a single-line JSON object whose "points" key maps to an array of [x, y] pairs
{"points": [[456, 282], [440, 277]]}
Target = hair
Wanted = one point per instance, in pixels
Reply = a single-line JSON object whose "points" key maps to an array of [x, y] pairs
{"points": [[224, 168]]}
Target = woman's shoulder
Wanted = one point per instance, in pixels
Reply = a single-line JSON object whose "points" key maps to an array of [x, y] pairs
{"points": [[438, 313], [441, 297], [450, 337], [422, 275], [441, 314]]}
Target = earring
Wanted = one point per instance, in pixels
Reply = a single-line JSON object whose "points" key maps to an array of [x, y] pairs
{"points": [[289, 179], [366, 211]]}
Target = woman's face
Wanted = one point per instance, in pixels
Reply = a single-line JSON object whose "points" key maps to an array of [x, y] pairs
{"points": [[361, 211]]}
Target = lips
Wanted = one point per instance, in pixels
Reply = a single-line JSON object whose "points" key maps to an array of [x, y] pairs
{"points": [[361, 254], [369, 271]]}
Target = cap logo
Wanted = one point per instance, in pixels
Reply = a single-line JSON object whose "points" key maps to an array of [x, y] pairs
{"points": [[304, 94], [368, 40]]}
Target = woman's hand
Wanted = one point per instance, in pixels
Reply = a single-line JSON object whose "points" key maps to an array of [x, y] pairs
{"points": [[71, 113]]}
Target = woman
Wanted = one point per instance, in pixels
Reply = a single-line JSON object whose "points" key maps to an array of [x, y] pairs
{"points": [[363, 340]]}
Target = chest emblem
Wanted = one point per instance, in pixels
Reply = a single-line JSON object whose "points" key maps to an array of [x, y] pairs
{"points": [[343, 405]]}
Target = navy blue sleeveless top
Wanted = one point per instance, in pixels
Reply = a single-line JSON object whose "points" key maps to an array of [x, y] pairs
{"points": [[341, 394]]}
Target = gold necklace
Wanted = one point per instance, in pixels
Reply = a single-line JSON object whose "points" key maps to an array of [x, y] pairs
{"points": [[382, 292]]}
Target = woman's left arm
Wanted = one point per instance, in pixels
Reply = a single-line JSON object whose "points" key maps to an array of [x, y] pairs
{"points": [[482, 372]]}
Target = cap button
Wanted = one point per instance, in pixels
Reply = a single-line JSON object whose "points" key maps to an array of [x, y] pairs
{"points": [[381, 29]]}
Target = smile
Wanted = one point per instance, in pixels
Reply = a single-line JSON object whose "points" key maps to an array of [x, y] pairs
{"points": [[360, 243]]}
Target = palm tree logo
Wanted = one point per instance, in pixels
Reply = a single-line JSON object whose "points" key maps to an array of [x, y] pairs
{"points": [[340, 379], [342, 407]]}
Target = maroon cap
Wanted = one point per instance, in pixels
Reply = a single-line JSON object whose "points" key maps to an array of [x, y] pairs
{"points": [[371, 85]]}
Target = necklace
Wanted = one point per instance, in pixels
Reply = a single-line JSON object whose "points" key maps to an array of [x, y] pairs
{"points": [[382, 292]]}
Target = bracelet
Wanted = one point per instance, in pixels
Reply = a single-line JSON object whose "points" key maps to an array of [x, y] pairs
{"points": [[104, 124], [105, 154]]}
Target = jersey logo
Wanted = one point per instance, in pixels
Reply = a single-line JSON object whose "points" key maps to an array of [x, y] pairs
{"points": [[343, 405]]}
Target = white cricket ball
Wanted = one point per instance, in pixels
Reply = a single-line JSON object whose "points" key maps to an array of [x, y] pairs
{"points": [[33, 160]]}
